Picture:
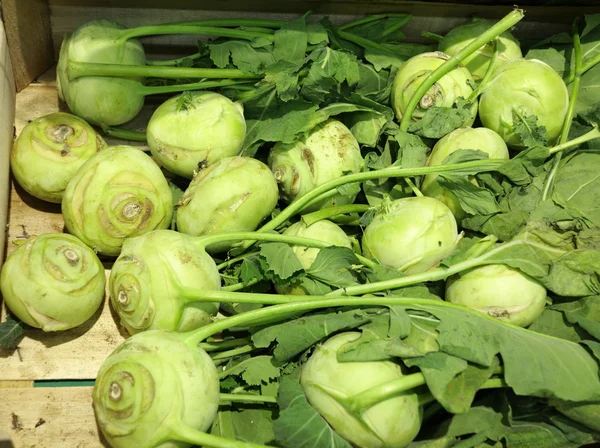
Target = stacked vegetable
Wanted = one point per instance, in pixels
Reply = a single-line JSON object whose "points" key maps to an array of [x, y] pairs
{"points": [[402, 239]]}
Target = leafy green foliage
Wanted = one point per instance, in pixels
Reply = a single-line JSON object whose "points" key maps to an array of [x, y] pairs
{"points": [[439, 121], [12, 331]]}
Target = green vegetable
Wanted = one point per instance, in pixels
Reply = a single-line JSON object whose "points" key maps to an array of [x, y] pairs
{"points": [[330, 387], [323, 230], [194, 130], [410, 234], [232, 195], [444, 93], [118, 193], [328, 152], [499, 291], [48, 152], [586, 413], [526, 100], [478, 62], [53, 282], [480, 139]]}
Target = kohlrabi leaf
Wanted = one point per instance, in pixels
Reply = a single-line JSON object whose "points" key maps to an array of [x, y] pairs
{"points": [[477, 338], [550, 56], [317, 34], [248, 425], [243, 55], [439, 121], [412, 152], [386, 29], [299, 425], [290, 41], [279, 262], [528, 130], [553, 323], [254, 371], [473, 199], [250, 270], [12, 331], [369, 347], [452, 381], [333, 266], [575, 274], [584, 312], [299, 334], [549, 431], [393, 55]]}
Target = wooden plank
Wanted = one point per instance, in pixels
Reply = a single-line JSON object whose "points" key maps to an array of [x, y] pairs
{"points": [[50, 417], [29, 38]]}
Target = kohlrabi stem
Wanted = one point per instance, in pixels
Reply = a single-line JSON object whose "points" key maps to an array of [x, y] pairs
{"points": [[564, 135], [498, 28], [125, 134], [77, 69], [207, 240], [434, 274], [264, 23], [172, 62], [362, 21], [232, 261], [245, 398], [190, 435], [301, 202], [156, 30], [224, 345], [202, 85], [310, 218], [238, 286], [413, 187], [488, 73], [432, 36], [396, 26], [591, 135], [233, 352], [366, 43], [590, 63]]}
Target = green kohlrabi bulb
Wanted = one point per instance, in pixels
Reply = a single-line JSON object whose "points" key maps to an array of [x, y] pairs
{"points": [[323, 230], [233, 195], [480, 139], [97, 99], [392, 423], [328, 152], [499, 291], [411, 234], [522, 89], [193, 130], [118, 193], [478, 62], [48, 152], [444, 93], [53, 282], [154, 281], [151, 388]]}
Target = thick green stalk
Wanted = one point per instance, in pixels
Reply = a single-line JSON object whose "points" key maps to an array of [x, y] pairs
{"points": [[362, 21], [125, 134], [426, 398], [203, 241], [366, 43], [434, 274], [591, 135], [264, 23], [190, 435], [157, 30], [173, 62], [590, 63], [330, 212], [202, 85], [233, 352], [77, 69], [432, 36], [245, 398], [239, 286], [498, 28], [488, 72], [224, 345], [234, 260], [564, 135]]}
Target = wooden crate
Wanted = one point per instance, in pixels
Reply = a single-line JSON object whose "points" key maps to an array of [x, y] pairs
{"points": [[32, 413]]}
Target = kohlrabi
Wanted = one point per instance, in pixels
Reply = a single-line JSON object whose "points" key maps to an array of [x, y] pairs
{"points": [[323, 230], [444, 93], [587, 413], [48, 152], [193, 130], [478, 62], [53, 282], [499, 291], [102, 69], [333, 388], [328, 152], [520, 92], [118, 193], [481, 139], [232, 195], [410, 234]]}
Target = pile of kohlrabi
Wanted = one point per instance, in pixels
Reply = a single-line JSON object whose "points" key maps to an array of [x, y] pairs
{"points": [[334, 237]]}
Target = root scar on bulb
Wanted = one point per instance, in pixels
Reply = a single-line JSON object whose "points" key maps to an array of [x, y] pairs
{"points": [[60, 133], [123, 298], [115, 392], [132, 210], [71, 256]]}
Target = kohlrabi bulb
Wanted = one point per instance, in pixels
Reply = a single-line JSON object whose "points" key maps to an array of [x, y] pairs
{"points": [[478, 62], [323, 230], [524, 88], [153, 284], [193, 130], [233, 195], [481, 139], [53, 282], [48, 152], [328, 152], [392, 423], [411, 234], [499, 291], [100, 100], [152, 388], [118, 193], [444, 93]]}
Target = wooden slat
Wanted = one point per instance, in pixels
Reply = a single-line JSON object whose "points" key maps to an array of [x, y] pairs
{"points": [[67, 414], [29, 38]]}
